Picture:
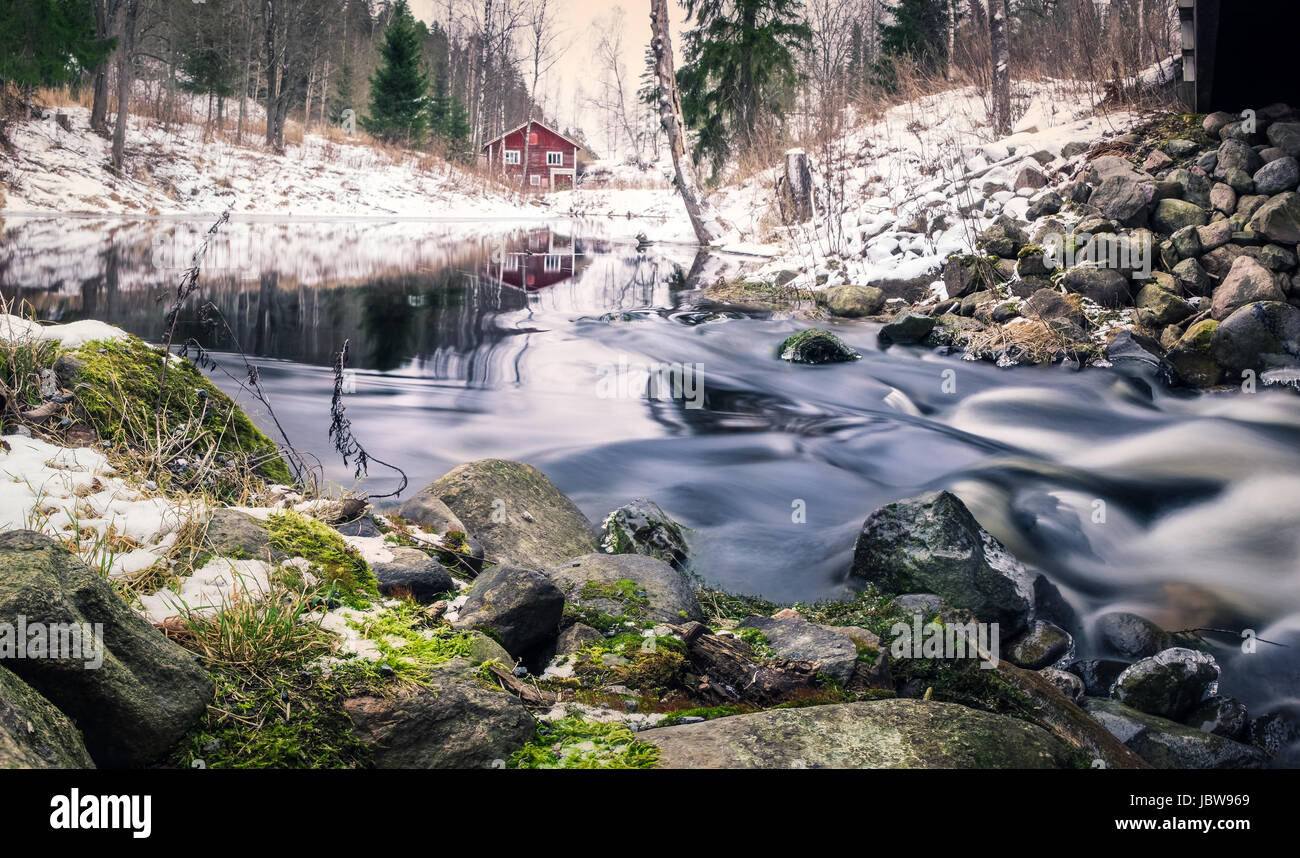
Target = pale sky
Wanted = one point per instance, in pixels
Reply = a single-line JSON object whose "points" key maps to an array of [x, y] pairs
{"points": [[575, 69]]}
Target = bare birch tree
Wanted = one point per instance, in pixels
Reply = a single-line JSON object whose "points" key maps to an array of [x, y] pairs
{"points": [[706, 226]]}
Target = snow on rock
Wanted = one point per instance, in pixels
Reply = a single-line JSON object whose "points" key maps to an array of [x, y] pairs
{"points": [[74, 496], [70, 336], [218, 583]]}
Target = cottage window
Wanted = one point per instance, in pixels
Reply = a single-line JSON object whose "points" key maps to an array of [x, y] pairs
{"points": [[555, 159], [535, 180], [512, 156], [553, 262]]}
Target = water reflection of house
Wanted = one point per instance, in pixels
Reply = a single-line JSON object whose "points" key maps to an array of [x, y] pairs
{"points": [[543, 259]]}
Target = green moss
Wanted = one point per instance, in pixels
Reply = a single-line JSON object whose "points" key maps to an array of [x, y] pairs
{"points": [[708, 713], [119, 392], [721, 606], [409, 643], [815, 346], [339, 564], [645, 664], [575, 743], [758, 642]]}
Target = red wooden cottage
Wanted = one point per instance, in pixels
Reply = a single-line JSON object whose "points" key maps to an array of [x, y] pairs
{"points": [[552, 157]]}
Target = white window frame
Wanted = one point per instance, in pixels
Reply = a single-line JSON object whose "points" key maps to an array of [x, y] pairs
{"points": [[555, 159], [510, 157], [535, 180], [553, 262]]}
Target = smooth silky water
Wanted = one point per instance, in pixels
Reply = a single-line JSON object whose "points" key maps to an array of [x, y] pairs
{"points": [[491, 340]]}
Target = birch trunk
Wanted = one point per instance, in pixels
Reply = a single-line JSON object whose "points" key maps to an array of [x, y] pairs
{"points": [[1001, 66], [706, 226]]}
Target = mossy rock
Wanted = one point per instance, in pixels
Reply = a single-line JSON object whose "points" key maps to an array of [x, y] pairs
{"points": [[897, 733], [515, 512], [816, 346], [128, 400], [346, 571], [771, 297], [33, 733]]}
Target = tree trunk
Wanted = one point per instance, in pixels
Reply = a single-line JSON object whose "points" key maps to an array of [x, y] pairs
{"points": [[1001, 66], [125, 80], [105, 25], [706, 226]]}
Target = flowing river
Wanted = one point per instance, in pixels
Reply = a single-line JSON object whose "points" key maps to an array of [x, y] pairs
{"points": [[491, 340]]}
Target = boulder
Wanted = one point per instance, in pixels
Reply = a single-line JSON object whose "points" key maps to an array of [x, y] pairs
{"points": [[1070, 686], [1187, 241], [1105, 286], [575, 637], [1192, 277], [1223, 198], [900, 733], [642, 527], [1192, 359], [1222, 716], [1286, 136], [1048, 304], [146, 692], [1097, 674], [1003, 238], [1124, 198], [852, 301], [964, 273], [1279, 218], [1172, 215], [932, 544], [627, 585], [907, 327], [1048, 203], [518, 515], [1236, 155], [1277, 176], [1258, 335], [1168, 684], [231, 533], [815, 346], [1041, 644], [1246, 283], [1130, 635], [1161, 306], [521, 608], [1211, 237], [795, 638], [1167, 744], [33, 733], [454, 723], [413, 572]]}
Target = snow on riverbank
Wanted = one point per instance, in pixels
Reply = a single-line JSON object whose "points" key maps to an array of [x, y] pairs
{"points": [[913, 186]]}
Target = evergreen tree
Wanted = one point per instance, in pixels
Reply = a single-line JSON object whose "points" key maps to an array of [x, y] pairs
{"points": [[399, 89], [344, 94], [48, 42], [456, 132], [440, 103], [919, 30], [740, 65]]}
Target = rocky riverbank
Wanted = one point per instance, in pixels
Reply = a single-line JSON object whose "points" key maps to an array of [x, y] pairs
{"points": [[222, 618], [1172, 248]]}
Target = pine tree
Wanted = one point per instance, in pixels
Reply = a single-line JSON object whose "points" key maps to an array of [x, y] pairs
{"points": [[919, 30], [740, 65], [456, 132], [398, 89], [344, 94], [48, 42], [440, 103]]}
